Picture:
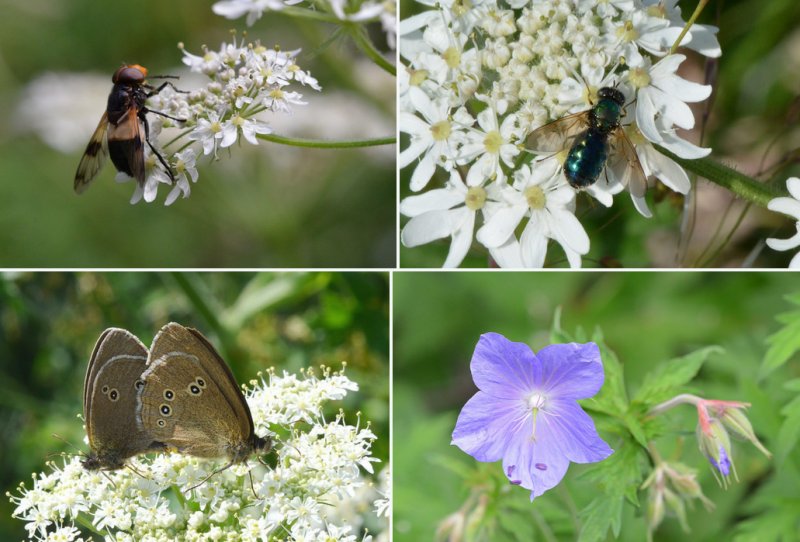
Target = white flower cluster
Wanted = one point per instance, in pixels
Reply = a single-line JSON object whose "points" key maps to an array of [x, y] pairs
{"points": [[245, 80], [481, 75], [316, 491], [345, 10]]}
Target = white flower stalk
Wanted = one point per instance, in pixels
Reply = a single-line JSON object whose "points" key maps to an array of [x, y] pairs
{"points": [[516, 65], [245, 82], [789, 206], [317, 489]]}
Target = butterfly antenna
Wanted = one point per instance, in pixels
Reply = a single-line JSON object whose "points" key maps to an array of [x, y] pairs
{"points": [[252, 487], [107, 477], [78, 452], [204, 480], [130, 467]]}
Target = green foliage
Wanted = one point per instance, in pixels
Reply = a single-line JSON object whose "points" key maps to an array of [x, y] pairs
{"points": [[667, 379], [654, 343], [49, 323], [786, 341]]}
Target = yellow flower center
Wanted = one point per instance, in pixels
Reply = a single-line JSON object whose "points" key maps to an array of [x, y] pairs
{"points": [[493, 141], [639, 77], [238, 120], [441, 130], [460, 9], [535, 197], [452, 57], [215, 127], [476, 197], [417, 77], [627, 32]]}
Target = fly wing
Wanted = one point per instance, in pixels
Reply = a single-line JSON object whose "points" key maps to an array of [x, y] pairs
{"points": [[625, 164], [126, 146], [556, 136], [94, 157]]}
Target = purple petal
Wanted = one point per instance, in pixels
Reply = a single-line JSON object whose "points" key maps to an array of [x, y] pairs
{"points": [[486, 424], [570, 432], [571, 371], [503, 368], [724, 464], [536, 465]]}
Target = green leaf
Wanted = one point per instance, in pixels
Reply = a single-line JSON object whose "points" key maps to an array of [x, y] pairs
{"points": [[620, 475], [633, 424], [517, 525], [598, 516], [667, 379], [783, 344], [612, 399], [779, 522], [792, 385], [789, 432]]}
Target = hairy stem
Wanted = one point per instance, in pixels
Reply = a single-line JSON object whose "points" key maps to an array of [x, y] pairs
{"points": [[359, 35], [740, 184]]}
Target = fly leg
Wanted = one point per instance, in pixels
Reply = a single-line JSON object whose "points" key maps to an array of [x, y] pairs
{"points": [[152, 148]]}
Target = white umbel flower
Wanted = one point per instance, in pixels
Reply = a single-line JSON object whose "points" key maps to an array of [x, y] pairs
{"points": [[516, 65], [319, 463]]}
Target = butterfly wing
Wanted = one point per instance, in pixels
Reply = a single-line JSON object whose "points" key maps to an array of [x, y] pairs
{"points": [[109, 399], [190, 399], [557, 135], [93, 158]]}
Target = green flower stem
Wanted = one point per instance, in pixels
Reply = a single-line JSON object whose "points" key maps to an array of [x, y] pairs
{"points": [[359, 35], [700, 5], [309, 14], [740, 184], [324, 144]]}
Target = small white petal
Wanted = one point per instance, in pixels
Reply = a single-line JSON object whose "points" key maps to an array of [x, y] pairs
{"points": [[426, 228], [784, 244], [787, 206], [422, 173], [462, 240], [501, 226], [435, 200]]}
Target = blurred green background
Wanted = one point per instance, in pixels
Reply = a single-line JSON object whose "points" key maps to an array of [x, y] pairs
{"points": [[49, 323], [646, 318], [261, 206], [752, 115]]}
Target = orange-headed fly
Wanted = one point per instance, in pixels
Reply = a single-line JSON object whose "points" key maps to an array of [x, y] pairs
{"points": [[119, 133]]}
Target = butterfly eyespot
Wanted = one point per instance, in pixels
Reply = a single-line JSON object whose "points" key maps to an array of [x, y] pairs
{"points": [[139, 384], [165, 410], [169, 395], [161, 423], [194, 389], [105, 389], [113, 395], [200, 382]]}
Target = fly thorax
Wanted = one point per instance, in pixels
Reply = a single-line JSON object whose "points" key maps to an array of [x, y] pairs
{"points": [[535, 197], [605, 115], [476, 197]]}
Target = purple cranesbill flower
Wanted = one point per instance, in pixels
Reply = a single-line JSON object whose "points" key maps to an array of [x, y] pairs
{"points": [[526, 411]]}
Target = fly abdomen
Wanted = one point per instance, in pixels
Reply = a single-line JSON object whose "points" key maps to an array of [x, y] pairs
{"points": [[586, 159]]}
